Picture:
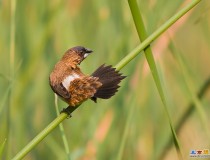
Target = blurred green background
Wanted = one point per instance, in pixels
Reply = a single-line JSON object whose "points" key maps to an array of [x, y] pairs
{"points": [[133, 124]]}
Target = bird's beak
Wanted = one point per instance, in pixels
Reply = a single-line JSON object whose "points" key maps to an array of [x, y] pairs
{"points": [[88, 50]]}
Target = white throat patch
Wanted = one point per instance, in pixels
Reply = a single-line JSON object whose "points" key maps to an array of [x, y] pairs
{"points": [[66, 82], [86, 54]]}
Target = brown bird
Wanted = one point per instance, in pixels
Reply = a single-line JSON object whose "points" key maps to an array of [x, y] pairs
{"points": [[74, 87]]}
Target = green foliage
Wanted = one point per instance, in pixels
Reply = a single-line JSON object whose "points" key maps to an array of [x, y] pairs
{"points": [[131, 125], [2, 148]]}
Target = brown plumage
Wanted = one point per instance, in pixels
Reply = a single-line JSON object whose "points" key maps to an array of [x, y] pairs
{"points": [[69, 83]]}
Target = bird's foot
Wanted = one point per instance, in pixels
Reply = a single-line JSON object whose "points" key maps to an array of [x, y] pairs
{"points": [[68, 111]]}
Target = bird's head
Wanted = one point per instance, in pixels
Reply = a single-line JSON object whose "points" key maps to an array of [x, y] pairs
{"points": [[74, 56]]}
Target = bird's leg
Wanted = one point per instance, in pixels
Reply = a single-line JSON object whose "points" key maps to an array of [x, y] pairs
{"points": [[69, 110]]}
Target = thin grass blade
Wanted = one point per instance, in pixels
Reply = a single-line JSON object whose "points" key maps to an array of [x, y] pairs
{"points": [[63, 135], [191, 91], [2, 148]]}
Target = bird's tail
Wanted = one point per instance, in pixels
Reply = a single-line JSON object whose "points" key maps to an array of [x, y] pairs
{"points": [[110, 78]]}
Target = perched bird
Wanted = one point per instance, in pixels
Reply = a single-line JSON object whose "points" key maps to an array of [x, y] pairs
{"points": [[74, 87]]}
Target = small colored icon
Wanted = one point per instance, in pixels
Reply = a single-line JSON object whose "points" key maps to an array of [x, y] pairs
{"points": [[201, 153], [193, 152], [205, 151]]}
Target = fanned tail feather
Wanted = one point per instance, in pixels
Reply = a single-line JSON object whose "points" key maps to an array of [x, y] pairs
{"points": [[110, 78]]}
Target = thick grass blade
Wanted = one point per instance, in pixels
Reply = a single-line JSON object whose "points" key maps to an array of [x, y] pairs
{"points": [[150, 59]]}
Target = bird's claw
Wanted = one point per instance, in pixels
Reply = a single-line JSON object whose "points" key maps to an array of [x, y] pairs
{"points": [[67, 111]]}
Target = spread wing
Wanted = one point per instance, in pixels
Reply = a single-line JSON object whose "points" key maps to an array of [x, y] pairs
{"points": [[83, 88]]}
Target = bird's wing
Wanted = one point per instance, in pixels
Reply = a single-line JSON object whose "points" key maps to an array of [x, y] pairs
{"points": [[83, 88], [60, 90]]}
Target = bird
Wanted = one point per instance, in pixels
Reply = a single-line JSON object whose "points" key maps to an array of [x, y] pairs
{"points": [[74, 87]]}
